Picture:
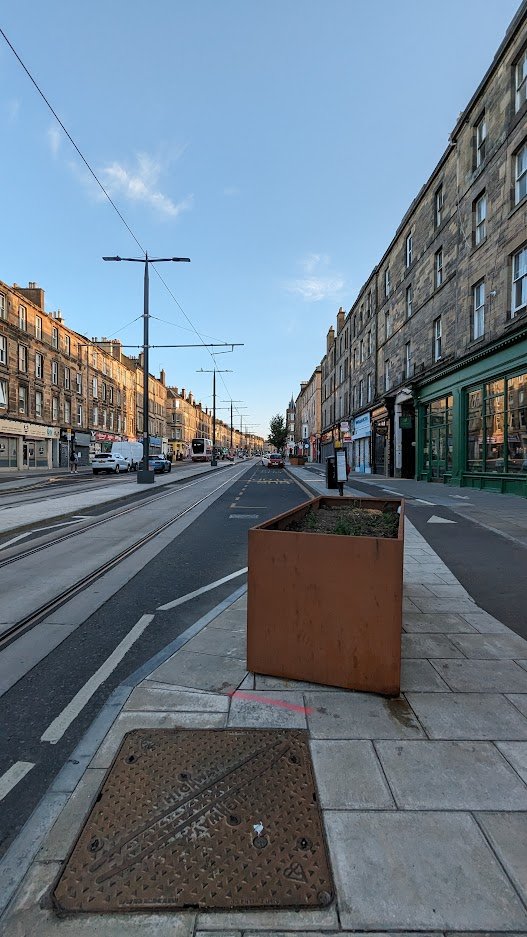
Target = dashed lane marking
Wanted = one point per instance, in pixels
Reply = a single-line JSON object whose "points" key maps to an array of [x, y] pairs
{"points": [[191, 595], [233, 517], [439, 520], [13, 775]]}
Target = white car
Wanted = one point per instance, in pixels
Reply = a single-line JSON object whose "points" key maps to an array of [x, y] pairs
{"points": [[110, 462], [265, 459]]}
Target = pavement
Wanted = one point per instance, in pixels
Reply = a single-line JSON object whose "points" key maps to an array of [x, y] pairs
{"points": [[424, 799]]}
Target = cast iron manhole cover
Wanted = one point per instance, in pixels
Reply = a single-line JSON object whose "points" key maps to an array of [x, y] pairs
{"points": [[202, 819]]}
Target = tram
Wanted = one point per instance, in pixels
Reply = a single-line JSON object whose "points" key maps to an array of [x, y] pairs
{"points": [[201, 449]]}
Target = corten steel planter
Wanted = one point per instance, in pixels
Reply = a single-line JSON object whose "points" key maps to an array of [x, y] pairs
{"points": [[326, 608]]}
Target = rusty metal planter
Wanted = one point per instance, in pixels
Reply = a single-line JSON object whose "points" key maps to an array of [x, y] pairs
{"points": [[326, 608]]}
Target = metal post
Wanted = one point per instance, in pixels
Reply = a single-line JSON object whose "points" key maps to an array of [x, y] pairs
{"points": [[144, 476], [231, 424], [214, 460]]}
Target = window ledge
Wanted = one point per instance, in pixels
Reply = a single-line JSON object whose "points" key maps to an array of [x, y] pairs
{"points": [[521, 204], [513, 320], [476, 342], [476, 247]]}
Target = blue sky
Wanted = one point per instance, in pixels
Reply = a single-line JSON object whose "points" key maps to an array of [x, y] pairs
{"points": [[276, 144]]}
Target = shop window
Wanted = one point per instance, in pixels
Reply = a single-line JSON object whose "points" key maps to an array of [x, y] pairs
{"points": [[497, 426], [438, 442]]}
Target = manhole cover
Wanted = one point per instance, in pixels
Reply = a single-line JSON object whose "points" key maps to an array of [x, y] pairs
{"points": [[202, 819]]}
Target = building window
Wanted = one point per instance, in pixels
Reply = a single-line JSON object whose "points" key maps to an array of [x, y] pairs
{"points": [[369, 343], [110, 394], [437, 431], [67, 344], [361, 393], [54, 337], [39, 399], [79, 414], [519, 281], [22, 358], [103, 391], [438, 267], [362, 350], [94, 359], [409, 249], [22, 399], [480, 219], [521, 80], [55, 409], [480, 138], [407, 360], [520, 174], [369, 386], [95, 416], [387, 324], [4, 394], [111, 420], [438, 206], [368, 305], [104, 419], [387, 374], [67, 412], [22, 318], [437, 339], [387, 282], [78, 382], [67, 378], [39, 366], [38, 328], [54, 372], [478, 324], [3, 349], [409, 301], [94, 387], [3, 308]]}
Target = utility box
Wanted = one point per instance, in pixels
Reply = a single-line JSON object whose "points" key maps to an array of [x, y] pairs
{"points": [[331, 473]]}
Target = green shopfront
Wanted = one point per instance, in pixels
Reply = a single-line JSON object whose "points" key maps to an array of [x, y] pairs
{"points": [[472, 423]]}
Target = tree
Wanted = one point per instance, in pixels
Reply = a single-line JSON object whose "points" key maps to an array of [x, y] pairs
{"points": [[277, 431]]}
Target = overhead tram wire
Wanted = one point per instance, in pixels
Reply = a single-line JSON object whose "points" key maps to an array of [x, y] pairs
{"points": [[102, 188]]}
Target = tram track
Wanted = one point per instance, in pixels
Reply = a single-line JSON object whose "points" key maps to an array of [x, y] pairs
{"points": [[37, 615]]}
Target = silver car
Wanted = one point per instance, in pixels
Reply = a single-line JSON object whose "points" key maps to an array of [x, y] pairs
{"points": [[110, 462]]}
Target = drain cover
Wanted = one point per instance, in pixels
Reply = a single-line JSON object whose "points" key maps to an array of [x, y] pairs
{"points": [[202, 819]]}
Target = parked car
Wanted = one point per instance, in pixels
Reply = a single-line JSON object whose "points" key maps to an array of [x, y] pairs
{"points": [[158, 464], [275, 460], [133, 451], [265, 459], [110, 462]]}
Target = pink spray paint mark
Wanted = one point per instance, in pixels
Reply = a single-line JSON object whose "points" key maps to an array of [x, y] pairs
{"points": [[267, 701]]}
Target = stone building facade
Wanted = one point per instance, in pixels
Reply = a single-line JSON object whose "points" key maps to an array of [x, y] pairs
{"points": [[307, 414]]}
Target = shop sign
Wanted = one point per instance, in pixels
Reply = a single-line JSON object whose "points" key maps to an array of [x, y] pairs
{"points": [[17, 428], [344, 427], [362, 426], [405, 421], [105, 437]]}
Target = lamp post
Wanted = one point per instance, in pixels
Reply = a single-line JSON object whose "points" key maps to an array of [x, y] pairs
{"points": [[231, 403], [144, 475], [214, 371]]}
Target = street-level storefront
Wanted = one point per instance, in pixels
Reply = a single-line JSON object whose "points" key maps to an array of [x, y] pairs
{"points": [[102, 442], [27, 445], [362, 443], [472, 423], [380, 440], [327, 445]]}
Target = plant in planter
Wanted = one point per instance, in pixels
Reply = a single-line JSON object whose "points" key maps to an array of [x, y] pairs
{"points": [[332, 572]]}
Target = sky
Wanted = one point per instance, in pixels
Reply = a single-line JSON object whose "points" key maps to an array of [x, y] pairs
{"points": [[277, 144]]}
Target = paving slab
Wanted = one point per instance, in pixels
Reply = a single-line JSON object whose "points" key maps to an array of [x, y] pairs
{"points": [[428, 646], [444, 623], [202, 672], [435, 605], [519, 700], [157, 699], [442, 873], [149, 720], [349, 775], [219, 642], [451, 776], [507, 833], [478, 676], [471, 716], [262, 682], [297, 921], [360, 716], [67, 825], [490, 646], [269, 709], [485, 624], [516, 754], [420, 675]]}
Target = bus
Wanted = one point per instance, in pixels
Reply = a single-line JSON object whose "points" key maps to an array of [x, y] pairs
{"points": [[201, 449]]}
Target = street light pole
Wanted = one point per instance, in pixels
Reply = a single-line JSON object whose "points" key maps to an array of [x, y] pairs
{"points": [[144, 475], [213, 371], [231, 403]]}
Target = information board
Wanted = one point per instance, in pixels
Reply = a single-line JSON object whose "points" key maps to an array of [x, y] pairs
{"points": [[340, 456]]}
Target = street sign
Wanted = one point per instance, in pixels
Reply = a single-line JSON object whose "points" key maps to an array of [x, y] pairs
{"points": [[342, 474]]}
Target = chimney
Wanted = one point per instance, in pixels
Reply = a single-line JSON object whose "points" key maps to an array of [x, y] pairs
{"points": [[32, 292], [190, 397], [162, 377], [330, 339], [341, 315], [117, 349], [183, 393]]}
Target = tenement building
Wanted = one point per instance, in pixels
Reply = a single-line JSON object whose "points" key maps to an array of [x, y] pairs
{"points": [[438, 334], [308, 417]]}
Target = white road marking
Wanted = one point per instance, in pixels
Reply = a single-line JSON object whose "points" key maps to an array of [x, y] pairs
{"points": [[439, 520], [392, 492], [13, 775], [191, 595], [38, 530], [422, 501], [57, 728], [235, 516]]}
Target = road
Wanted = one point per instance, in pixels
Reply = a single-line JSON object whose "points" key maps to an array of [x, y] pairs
{"points": [[67, 666]]}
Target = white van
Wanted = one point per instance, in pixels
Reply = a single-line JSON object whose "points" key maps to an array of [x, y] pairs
{"points": [[131, 451]]}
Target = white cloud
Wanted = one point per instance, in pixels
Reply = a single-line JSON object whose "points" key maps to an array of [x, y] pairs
{"points": [[54, 139], [318, 281], [141, 185]]}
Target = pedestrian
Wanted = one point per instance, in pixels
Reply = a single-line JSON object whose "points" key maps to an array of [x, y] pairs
{"points": [[73, 463], [77, 460]]}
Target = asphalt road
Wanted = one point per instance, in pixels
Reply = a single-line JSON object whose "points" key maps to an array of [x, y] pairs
{"points": [[213, 546], [492, 568]]}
